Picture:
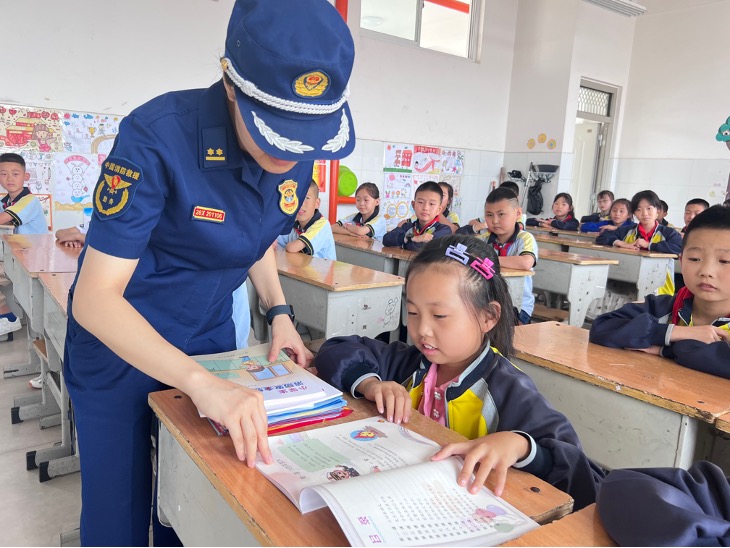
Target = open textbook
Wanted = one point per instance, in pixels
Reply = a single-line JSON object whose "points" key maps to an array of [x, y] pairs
{"points": [[379, 482], [287, 388]]}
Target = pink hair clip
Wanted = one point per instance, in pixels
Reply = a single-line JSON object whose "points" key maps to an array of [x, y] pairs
{"points": [[484, 266]]}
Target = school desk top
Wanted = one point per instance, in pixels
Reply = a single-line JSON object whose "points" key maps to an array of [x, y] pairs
{"points": [[581, 528], [574, 233], [573, 258], [331, 275], [57, 285], [367, 245], [576, 242], [652, 379], [41, 253], [271, 517]]}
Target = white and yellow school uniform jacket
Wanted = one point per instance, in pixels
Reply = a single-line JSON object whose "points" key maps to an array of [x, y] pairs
{"points": [[26, 213], [317, 237], [375, 223]]}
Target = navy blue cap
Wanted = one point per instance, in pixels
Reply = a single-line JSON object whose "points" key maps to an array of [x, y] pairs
{"points": [[290, 61]]}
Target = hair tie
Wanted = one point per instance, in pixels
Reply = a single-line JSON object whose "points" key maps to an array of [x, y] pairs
{"points": [[484, 266]]}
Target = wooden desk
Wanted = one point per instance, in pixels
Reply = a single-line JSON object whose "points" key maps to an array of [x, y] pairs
{"points": [[581, 528], [723, 423], [212, 499], [582, 278], [647, 270], [337, 298], [574, 234], [630, 409], [62, 458], [25, 256], [365, 252]]}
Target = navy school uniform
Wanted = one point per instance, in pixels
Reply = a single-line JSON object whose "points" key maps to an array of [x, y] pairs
{"points": [[507, 398], [177, 193], [595, 218], [667, 506], [402, 236], [569, 223]]}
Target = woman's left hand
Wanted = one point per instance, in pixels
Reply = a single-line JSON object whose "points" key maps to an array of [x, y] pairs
{"points": [[284, 335], [491, 453]]}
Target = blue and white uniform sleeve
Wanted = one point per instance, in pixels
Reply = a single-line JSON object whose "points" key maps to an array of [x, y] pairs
{"points": [[318, 240], [634, 325]]}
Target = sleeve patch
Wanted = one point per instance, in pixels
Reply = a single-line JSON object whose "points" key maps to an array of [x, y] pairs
{"points": [[116, 187]]}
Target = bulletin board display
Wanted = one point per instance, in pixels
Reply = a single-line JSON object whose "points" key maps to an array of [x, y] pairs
{"points": [[63, 151], [406, 166]]}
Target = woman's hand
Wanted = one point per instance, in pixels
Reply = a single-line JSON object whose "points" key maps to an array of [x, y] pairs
{"points": [[493, 452], [391, 399], [284, 335], [240, 410]]}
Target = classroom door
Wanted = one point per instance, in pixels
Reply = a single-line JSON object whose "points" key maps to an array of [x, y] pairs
{"points": [[586, 154]]}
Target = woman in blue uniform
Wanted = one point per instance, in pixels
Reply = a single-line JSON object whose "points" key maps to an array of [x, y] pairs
{"points": [[198, 185]]}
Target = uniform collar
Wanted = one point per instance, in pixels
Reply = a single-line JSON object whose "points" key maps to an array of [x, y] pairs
{"points": [[417, 225], [361, 221], [492, 239], [7, 202], [316, 217]]}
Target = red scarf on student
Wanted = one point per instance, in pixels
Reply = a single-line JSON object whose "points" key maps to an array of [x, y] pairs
{"points": [[679, 299], [425, 228], [647, 235]]}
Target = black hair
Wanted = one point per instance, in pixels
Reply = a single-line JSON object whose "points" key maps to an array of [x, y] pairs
{"points": [[430, 186], [605, 193], [565, 196], [665, 206], [477, 293], [648, 195], [371, 189], [698, 201], [12, 157], [514, 187], [449, 188], [314, 186], [716, 217], [499, 194], [726, 203], [626, 203]]}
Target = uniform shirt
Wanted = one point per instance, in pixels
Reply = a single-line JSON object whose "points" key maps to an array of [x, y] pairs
{"points": [[316, 236], [569, 223], [402, 236], [595, 226], [452, 216], [520, 243], [178, 193], [26, 213], [595, 218], [376, 223]]}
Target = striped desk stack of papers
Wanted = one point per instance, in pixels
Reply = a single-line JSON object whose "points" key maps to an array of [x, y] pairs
{"points": [[293, 397]]}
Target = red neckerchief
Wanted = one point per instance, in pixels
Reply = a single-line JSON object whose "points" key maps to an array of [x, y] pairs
{"points": [[502, 249], [679, 299], [647, 236], [417, 232], [7, 202]]}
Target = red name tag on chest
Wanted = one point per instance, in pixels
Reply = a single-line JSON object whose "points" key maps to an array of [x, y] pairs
{"points": [[201, 213]]}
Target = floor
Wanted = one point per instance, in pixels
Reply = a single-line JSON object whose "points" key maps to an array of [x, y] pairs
{"points": [[34, 513]]}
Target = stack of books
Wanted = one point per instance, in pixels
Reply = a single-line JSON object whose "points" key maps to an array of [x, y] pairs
{"points": [[293, 397]]}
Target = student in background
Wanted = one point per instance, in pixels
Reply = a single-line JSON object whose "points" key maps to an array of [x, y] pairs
{"points": [[667, 506], [479, 225], [662, 213], [691, 327], [458, 373], [413, 235], [514, 187], [74, 236], [515, 247], [693, 208], [604, 199], [564, 216], [448, 217], [367, 222], [311, 234], [620, 215], [23, 211]]}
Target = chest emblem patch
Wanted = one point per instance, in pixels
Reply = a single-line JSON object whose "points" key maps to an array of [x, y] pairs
{"points": [[288, 199]]}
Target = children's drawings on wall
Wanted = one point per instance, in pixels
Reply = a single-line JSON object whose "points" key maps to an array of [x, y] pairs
{"points": [[723, 135], [397, 196], [426, 159], [38, 168], [24, 128], [83, 132], [46, 203], [75, 176], [397, 157], [452, 161], [543, 140]]}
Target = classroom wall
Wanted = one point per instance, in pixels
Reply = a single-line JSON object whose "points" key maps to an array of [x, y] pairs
{"points": [[677, 99]]}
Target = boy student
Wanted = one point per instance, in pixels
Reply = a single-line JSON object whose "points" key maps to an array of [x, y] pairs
{"points": [[412, 235], [693, 208], [605, 200], [312, 233], [515, 247], [24, 211], [662, 213], [479, 225], [693, 326]]}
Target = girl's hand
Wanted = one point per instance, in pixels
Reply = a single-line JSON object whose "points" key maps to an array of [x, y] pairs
{"points": [[391, 399], [707, 334], [240, 410], [653, 349], [625, 245], [424, 238], [545, 223], [284, 335], [605, 228], [478, 227], [494, 452], [641, 243]]}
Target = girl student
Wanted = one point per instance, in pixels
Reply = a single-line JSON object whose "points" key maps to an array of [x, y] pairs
{"points": [[367, 222], [447, 217], [564, 216], [457, 373], [619, 215]]}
